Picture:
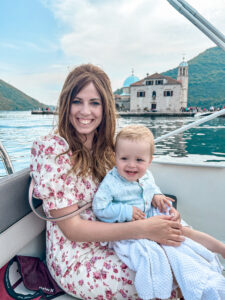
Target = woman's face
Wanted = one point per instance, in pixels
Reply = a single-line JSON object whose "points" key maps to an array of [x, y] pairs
{"points": [[86, 113]]}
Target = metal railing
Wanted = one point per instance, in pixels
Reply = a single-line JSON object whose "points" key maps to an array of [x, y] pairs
{"points": [[199, 21], [191, 125], [6, 160]]}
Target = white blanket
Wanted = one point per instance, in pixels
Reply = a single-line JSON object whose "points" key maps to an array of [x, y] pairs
{"points": [[196, 269]]}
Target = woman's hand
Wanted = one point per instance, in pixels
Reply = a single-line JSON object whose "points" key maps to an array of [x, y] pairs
{"points": [[163, 230]]}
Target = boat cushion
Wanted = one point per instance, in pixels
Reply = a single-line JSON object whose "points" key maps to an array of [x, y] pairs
{"points": [[14, 198]]}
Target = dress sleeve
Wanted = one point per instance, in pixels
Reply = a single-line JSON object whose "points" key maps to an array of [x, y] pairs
{"points": [[49, 168]]}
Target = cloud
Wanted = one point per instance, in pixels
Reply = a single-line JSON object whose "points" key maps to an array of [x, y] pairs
{"points": [[118, 35], [10, 45]]}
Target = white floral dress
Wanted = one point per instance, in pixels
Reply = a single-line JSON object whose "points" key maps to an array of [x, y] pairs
{"points": [[84, 270]]}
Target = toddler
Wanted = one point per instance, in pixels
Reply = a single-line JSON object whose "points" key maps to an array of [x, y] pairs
{"points": [[129, 193]]}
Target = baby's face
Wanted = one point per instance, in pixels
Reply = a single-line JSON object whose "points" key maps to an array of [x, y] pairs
{"points": [[132, 158]]}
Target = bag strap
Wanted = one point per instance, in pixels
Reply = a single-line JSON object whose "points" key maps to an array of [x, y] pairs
{"points": [[10, 289], [67, 216]]}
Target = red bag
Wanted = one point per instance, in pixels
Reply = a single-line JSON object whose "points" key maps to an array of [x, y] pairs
{"points": [[26, 277]]}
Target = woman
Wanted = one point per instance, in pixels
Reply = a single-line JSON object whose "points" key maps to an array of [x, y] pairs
{"points": [[67, 167]]}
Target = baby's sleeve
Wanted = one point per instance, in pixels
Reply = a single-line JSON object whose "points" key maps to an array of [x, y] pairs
{"points": [[155, 188], [105, 208], [50, 168]]}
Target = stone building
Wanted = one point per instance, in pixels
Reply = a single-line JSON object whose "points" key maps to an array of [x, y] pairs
{"points": [[160, 93]]}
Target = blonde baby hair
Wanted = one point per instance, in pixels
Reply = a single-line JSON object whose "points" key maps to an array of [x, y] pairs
{"points": [[137, 133]]}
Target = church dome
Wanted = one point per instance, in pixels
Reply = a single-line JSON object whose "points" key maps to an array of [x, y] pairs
{"points": [[130, 80], [183, 64]]}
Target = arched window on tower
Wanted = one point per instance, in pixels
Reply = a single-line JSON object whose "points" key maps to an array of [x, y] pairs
{"points": [[180, 71], [154, 95]]}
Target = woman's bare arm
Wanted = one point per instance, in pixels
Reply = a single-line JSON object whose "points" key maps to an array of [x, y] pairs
{"points": [[160, 229]]}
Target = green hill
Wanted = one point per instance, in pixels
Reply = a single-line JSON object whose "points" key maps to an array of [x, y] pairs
{"points": [[206, 78], [13, 99]]}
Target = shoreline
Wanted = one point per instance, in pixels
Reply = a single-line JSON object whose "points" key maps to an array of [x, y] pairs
{"points": [[130, 114], [156, 114]]}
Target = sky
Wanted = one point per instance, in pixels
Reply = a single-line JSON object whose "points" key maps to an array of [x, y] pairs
{"points": [[42, 40]]}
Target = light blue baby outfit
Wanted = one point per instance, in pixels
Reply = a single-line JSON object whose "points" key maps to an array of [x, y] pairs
{"points": [[197, 270], [115, 197]]}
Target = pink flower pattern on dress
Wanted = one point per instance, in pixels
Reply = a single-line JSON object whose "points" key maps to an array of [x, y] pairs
{"points": [[85, 270]]}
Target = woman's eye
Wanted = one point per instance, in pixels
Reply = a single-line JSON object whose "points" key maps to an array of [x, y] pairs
{"points": [[76, 101], [95, 103]]}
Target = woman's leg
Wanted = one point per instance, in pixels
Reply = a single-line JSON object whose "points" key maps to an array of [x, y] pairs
{"points": [[205, 239]]}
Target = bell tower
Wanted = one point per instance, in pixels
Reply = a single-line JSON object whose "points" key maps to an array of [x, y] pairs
{"points": [[182, 76]]}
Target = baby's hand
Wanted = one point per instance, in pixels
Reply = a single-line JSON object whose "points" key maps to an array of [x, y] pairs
{"points": [[137, 214], [161, 202], [175, 215]]}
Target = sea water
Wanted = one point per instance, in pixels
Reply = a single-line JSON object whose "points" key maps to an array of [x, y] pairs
{"points": [[205, 143]]}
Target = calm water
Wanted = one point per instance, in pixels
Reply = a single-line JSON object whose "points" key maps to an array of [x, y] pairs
{"points": [[205, 143]]}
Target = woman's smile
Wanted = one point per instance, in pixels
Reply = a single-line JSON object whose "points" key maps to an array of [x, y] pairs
{"points": [[86, 112], [85, 121]]}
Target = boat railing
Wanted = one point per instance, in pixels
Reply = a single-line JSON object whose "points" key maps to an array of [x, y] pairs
{"points": [[6, 160], [191, 125], [9, 167]]}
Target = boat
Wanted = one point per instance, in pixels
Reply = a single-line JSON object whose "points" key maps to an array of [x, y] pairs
{"points": [[43, 112], [199, 188]]}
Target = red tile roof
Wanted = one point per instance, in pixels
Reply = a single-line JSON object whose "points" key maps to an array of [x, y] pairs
{"points": [[170, 80]]}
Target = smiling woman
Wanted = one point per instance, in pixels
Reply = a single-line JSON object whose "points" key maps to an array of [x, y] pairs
{"points": [[86, 113], [67, 167]]}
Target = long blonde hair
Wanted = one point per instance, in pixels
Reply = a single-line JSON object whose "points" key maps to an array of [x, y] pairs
{"points": [[102, 157]]}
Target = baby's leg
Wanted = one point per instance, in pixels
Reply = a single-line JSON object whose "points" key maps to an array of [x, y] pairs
{"points": [[205, 239]]}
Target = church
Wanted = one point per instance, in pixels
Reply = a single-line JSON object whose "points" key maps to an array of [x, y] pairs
{"points": [[155, 92]]}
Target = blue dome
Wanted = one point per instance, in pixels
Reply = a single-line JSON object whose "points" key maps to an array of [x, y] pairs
{"points": [[130, 80], [183, 64]]}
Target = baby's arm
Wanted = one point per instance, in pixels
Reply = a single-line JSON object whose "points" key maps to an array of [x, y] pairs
{"points": [[114, 212], [105, 208]]}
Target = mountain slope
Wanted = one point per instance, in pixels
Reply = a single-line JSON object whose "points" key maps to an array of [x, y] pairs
{"points": [[13, 99], [206, 78]]}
